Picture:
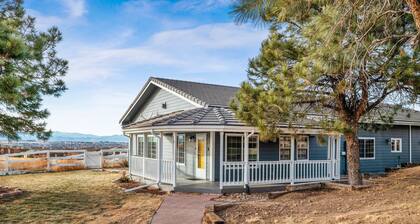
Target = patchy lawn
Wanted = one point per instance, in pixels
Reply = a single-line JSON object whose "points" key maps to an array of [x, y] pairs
{"points": [[75, 197], [392, 199]]}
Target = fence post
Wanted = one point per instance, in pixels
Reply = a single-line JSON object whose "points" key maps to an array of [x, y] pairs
{"points": [[7, 164], [48, 161], [84, 158], [102, 159]]}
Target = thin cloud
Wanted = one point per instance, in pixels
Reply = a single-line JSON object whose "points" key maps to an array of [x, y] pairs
{"points": [[75, 8], [204, 48]]}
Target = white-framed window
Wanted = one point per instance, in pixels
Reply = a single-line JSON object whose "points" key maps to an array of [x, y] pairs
{"points": [[180, 149], [151, 146], [140, 145], [254, 148], [234, 147], [285, 144], [367, 148], [396, 145], [302, 147]]}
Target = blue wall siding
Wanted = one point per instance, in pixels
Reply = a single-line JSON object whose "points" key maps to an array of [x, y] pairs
{"points": [[317, 151], [415, 134], [269, 151], [217, 157], [384, 158]]}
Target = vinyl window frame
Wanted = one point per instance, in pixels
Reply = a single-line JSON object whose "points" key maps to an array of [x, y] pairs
{"points": [[393, 146], [226, 146], [374, 148]]}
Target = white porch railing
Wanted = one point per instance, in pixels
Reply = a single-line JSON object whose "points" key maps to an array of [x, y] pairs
{"points": [[150, 168], [312, 170], [232, 173], [166, 171], [276, 172], [269, 172], [136, 165]]}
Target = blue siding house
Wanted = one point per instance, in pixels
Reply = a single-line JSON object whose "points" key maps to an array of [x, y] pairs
{"points": [[184, 136]]}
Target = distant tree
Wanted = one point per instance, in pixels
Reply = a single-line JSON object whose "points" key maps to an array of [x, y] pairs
{"points": [[29, 70], [338, 61]]}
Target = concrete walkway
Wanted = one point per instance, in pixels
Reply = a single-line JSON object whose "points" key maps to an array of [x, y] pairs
{"points": [[182, 208]]}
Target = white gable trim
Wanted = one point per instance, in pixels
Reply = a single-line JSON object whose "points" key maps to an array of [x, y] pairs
{"points": [[136, 100]]}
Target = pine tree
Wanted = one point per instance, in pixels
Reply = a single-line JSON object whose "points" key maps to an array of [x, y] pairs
{"points": [[29, 70], [345, 64]]}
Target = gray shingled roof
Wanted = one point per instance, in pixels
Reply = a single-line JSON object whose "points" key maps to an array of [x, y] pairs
{"points": [[198, 116], [210, 94]]}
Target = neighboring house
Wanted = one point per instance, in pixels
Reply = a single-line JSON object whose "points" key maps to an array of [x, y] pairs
{"points": [[213, 151]]}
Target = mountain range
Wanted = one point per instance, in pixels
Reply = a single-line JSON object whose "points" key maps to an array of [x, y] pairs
{"points": [[75, 137]]}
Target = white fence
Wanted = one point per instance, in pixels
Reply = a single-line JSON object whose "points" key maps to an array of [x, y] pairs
{"points": [[58, 160], [275, 172], [148, 168]]}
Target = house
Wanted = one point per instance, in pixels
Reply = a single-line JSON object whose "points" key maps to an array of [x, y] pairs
{"points": [[184, 136]]}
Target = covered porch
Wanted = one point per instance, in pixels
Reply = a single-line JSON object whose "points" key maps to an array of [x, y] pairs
{"points": [[226, 159]]}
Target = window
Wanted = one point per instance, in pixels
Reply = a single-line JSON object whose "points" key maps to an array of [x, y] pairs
{"points": [[285, 147], [253, 146], [151, 146], [302, 147], [367, 148], [181, 149], [233, 148], [396, 144], [140, 145]]}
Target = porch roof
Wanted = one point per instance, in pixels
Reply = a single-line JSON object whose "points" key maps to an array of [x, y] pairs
{"points": [[208, 116]]}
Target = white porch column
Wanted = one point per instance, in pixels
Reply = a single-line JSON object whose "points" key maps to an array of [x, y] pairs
{"points": [[331, 150], [338, 158], [130, 144], [212, 155], [222, 137], [159, 157], [246, 159], [174, 147], [292, 158]]}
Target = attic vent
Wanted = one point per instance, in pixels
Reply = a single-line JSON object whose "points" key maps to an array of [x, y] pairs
{"points": [[164, 105]]}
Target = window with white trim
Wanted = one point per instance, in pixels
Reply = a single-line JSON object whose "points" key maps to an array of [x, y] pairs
{"points": [[396, 144], [151, 146], [181, 149], [234, 146], [302, 147], [367, 148], [140, 145], [253, 147], [285, 143]]}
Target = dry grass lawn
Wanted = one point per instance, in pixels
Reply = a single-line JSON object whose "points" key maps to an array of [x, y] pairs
{"points": [[392, 199], [74, 197]]}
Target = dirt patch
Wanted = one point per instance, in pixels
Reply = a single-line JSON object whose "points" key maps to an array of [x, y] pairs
{"points": [[391, 199]]}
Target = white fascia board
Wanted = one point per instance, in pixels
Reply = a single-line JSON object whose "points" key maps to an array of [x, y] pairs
{"points": [[223, 129]]}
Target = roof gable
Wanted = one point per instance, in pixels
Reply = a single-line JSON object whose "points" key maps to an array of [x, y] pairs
{"points": [[198, 94]]}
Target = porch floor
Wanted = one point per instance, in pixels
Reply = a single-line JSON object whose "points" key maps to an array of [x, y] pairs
{"points": [[204, 186]]}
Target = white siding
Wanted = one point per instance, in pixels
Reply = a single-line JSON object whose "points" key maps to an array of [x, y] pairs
{"points": [[153, 106]]}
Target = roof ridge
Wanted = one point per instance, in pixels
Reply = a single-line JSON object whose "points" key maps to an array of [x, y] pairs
{"points": [[202, 83]]}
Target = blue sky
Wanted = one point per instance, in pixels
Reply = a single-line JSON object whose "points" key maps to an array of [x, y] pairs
{"points": [[114, 46]]}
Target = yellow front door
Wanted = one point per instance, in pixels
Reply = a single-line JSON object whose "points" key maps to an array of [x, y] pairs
{"points": [[201, 156]]}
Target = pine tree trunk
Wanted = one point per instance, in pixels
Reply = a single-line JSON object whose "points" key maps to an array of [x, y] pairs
{"points": [[415, 10], [353, 158]]}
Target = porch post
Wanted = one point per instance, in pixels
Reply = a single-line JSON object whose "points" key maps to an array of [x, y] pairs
{"points": [[212, 155], [221, 160], [174, 146], [292, 158], [331, 154], [130, 144], [144, 154], [338, 158], [159, 157], [246, 159]]}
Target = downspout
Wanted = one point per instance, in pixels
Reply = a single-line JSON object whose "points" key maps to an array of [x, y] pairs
{"points": [[410, 137], [246, 171]]}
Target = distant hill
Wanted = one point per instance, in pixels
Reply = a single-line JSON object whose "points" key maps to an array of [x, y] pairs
{"points": [[75, 137]]}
